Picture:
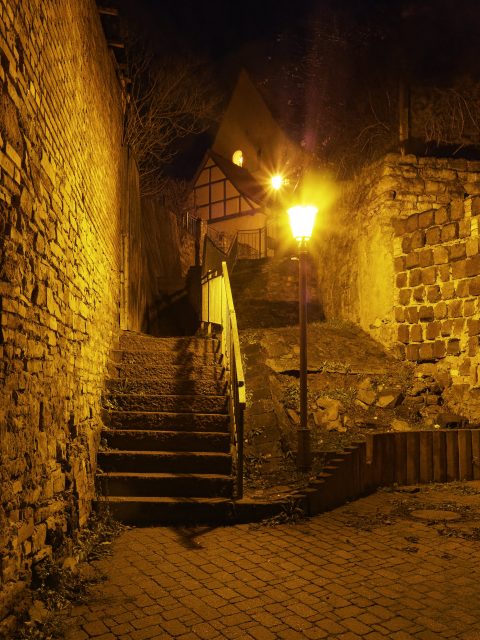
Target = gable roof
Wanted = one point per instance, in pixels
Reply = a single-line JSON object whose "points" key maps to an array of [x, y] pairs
{"points": [[241, 179]]}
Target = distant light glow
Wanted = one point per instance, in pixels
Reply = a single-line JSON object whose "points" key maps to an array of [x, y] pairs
{"points": [[237, 158], [302, 219], [277, 181]]}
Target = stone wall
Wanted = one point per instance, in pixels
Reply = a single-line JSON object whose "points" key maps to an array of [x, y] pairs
{"points": [[356, 246], [437, 292], [169, 247], [60, 145]]}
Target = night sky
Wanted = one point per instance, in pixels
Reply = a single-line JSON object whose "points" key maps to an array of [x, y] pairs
{"points": [[318, 62]]}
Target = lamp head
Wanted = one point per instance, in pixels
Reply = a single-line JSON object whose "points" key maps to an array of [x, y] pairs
{"points": [[302, 220]]}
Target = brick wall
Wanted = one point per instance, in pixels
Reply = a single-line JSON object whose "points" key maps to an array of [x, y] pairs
{"points": [[60, 137], [437, 307], [356, 244]]}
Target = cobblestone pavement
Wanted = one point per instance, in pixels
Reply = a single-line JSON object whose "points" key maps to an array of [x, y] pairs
{"points": [[369, 570]]}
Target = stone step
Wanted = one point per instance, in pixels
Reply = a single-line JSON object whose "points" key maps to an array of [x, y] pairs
{"points": [[166, 421], [165, 484], [149, 440], [190, 344], [169, 403], [166, 386], [165, 462], [153, 358], [141, 510], [173, 371], [160, 510]]}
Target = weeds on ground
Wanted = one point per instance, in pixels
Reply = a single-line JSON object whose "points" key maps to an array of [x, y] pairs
{"points": [[55, 588], [291, 513]]}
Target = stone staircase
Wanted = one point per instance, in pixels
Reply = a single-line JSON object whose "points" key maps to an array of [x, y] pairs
{"points": [[165, 455]]}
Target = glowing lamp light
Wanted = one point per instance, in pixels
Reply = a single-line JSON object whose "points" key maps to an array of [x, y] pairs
{"points": [[302, 219], [276, 181]]}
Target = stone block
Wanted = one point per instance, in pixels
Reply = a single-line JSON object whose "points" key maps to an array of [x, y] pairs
{"points": [[399, 264], [443, 271], [432, 330], [462, 289], [419, 294], [475, 205], [457, 211], [441, 216], [434, 293], [403, 333], [472, 266], [399, 226], [417, 240], [455, 308], [433, 235], [412, 260], [448, 290], [472, 346], [426, 219], [426, 352], [447, 328], [401, 279], [469, 308], [471, 246], [404, 296], [449, 232], [425, 257], [457, 251], [411, 223], [426, 313], [416, 333], [474, 286], [406, 244], [453, 347], [412, 352], [458, 326], [473, 327], [464, 228], [414, 277], [440, 255], [439, 349], [399, 314], [411, 314], [429, 275]]}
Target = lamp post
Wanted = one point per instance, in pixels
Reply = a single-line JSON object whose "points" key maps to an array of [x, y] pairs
{"points": [[302, 219]]}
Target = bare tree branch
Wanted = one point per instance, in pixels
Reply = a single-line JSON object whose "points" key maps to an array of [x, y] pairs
{"points": [[168, 100]]}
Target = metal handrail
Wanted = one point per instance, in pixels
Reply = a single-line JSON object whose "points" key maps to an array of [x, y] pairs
{"points": [[218, 309]]}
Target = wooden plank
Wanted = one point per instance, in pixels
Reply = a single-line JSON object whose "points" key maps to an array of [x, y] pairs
{"points": [[465, 470], [439, 456], [452, 455], [388, 453], [400, 453], [426, 456], [413, 457], [476, 454]]}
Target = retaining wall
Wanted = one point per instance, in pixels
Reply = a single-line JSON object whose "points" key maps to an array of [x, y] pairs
{"points": [[404, 458], [60, 152]]}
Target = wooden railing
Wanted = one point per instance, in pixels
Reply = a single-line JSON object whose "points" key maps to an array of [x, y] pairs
{"points": [[218, 309]]}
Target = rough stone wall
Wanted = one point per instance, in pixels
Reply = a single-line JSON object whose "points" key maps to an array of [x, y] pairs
{"points": [[356, 246], [169, 248], [437, 292], [60, 136]]}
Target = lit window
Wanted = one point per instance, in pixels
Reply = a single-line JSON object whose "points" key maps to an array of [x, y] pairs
{"points": [[237, 158]]}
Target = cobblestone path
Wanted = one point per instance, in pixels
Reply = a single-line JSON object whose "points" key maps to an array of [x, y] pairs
{"points": [[369, 570]]}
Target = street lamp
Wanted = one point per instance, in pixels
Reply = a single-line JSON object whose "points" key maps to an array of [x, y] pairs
{"points": [[302, 219]]}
